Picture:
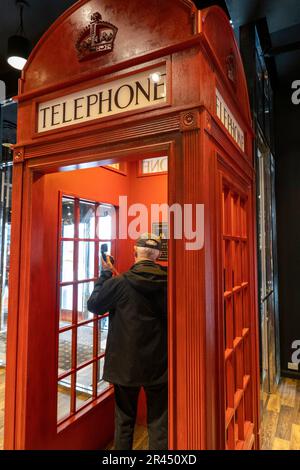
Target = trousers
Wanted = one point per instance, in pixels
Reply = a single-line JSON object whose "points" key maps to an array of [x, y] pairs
{"points": [[126, 401]]}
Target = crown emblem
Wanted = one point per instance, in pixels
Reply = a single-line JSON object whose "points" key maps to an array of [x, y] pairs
{"points": [[98, 37], [231, 68]]}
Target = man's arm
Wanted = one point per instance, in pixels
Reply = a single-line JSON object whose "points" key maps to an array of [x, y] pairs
{"points": [[104, 295]]}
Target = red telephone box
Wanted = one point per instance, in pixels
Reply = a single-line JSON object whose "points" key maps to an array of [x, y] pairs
{"points": [[114, 82]]}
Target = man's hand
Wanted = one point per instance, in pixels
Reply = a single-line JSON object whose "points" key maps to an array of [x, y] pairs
{"points": [[107, 265]]}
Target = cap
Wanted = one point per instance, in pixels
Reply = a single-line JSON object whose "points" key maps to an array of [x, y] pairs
{"points": [[149, 240]]}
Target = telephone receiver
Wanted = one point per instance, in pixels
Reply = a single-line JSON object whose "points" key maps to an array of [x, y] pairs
{"points": [[104, 250]]}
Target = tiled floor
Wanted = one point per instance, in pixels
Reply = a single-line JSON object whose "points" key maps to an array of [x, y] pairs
{"points": [[281, 419]]}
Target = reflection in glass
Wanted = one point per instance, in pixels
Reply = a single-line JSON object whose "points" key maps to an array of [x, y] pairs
{"points": [[87, 220], [105, 220], [66, 306], [84, 385], [66, 262], [64, 351], [86, 261], [102, 386], [67, 218], [84, 291], [63, 402], [102, 334], [85, 343]]}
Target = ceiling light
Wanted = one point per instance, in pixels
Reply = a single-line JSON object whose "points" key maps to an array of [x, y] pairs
{"points": [[18, 48]]}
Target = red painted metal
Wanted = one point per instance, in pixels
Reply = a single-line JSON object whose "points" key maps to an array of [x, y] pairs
{"points": [[204, 162]]}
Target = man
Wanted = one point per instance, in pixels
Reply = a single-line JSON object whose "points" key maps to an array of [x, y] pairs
{"points": [[136, 351]]}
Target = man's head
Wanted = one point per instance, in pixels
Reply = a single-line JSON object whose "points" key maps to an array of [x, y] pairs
{"points": [[147, 247]]}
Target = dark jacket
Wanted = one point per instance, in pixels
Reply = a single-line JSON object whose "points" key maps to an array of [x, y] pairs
{"points": [[136, 350]]}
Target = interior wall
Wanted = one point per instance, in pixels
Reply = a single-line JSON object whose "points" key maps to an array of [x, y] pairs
{"points": [[105, 185], [287, 116]]}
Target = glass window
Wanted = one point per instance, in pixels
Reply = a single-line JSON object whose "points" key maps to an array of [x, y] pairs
{"points": [[66, 306], [84, 385], [67, 262], [82, 335], [84, 291], [85, 343], [87, 220], [68, 219], [102, 386], [105, 222], [65, 352], [86, 260], [102, 334], [63, 402]]}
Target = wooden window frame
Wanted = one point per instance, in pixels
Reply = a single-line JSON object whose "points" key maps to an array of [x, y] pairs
{"points": [[75, 324]]}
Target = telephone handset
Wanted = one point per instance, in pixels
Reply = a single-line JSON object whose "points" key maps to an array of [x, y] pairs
{"points": [[106, 258]]}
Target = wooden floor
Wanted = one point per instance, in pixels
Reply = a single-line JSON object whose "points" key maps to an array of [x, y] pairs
{"points": [[280, 427], [281, 419], [140, 439]]}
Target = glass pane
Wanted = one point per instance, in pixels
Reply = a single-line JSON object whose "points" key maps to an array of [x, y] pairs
{"points": [[87, 220], [84, 291], [63, 402], [67, 218], [84, 385], [66, 306], [102, 334], [105, 222], [155, 165], [67, 262], [102, 386], [64, 352], [85, 343], [86, 260]]}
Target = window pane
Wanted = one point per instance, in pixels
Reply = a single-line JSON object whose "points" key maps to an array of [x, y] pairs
{"points": [[102, 334], [102, 386], [105, 222], [63, 402], [65, 351], [87, 220], [67, 262], [84, 291], [86, 261], [67, 218], [155, 165], [84, 385], [66, 306], [85, 343]]}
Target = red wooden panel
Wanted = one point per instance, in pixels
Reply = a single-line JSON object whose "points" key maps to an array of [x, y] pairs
{"points": [[239, 371]]}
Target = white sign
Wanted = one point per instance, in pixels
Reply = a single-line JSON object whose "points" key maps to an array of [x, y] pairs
{"points": [[155, 165], [229, 122], [131, 93]]}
